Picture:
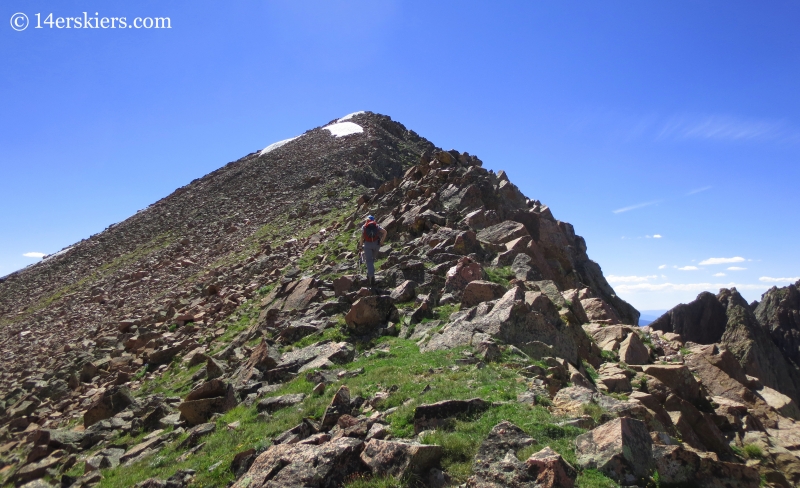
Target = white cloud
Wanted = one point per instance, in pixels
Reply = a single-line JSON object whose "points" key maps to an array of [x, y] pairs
{"points": [[736, 268], [767, 279], [665, 287], [629, 279], [662, 266], [736, 259], [719, 274], [698, 190], [689, 268], [34, 254], [638, 205], [654, 236]]}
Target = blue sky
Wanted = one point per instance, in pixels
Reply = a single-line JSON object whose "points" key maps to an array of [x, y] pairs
{"points": [[630, 119]]}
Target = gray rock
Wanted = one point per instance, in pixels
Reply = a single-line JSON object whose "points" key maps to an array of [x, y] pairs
{"points": [[621, 449]]}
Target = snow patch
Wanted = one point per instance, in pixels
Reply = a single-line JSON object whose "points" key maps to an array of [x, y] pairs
{"points": [[341, 129], [276, 145], [350, 116], [59, 253]]}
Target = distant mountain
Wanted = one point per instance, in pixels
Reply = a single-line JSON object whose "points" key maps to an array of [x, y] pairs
{"points": [[648, 316]]}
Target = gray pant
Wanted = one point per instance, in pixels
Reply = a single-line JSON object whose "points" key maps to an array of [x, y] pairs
{"points": [[370, 253]]}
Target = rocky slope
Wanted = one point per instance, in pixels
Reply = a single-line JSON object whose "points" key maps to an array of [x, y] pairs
{"points": [[223, 336]]}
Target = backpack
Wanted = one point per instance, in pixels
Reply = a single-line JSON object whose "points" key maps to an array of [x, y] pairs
{"points": [[371, 232]]}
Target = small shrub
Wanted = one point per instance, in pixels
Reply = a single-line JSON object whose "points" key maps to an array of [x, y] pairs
{"points": [[753, 451], [593, 410], [608, 356], [501, 276], [593, 375]]}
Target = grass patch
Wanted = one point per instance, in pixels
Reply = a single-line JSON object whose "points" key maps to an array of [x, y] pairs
{"points": [[592, 478], [444, 312], [502, 275], [404, 366], [590, 371], [334, 334], [753, 451], [593, 410]]}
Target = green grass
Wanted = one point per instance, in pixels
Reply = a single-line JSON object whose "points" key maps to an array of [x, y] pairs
{"points": [[753, 451], [591, 478], [367, 481], [590, 371], [444, 312], [501, 275], [593, 410], [333, 333], [404, 366]]}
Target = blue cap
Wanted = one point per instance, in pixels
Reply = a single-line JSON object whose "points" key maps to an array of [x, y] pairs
{"points": [[370, 218]]}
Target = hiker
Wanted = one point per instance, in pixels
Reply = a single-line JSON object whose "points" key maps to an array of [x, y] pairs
{"points": [[372, 235]]}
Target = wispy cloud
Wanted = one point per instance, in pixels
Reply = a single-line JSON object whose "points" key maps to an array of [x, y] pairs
{"points": [[629, 279], [664, 287], [654, 236], [767, 279], [736, 268], [634, 207], [662, 266], [698, 190], [34, 254], [689, 268], [719, 274], [736, 259], [725, 128]]}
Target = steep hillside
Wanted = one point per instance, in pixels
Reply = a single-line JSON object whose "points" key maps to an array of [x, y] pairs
{"points": [[225, 336]]}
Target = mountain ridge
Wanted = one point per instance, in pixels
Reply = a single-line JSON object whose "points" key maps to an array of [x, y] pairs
{"points": [[225, 336]]}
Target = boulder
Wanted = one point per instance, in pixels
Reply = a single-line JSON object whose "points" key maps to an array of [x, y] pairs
{"points": [[633, 351], [110, 403], [211, 397], [677, 466], [434, 415], [465, 271], [325, 465], [496, 464], [196, 433], [501, 233], [621, 449], [780, 402], [677, 378], [340, 405], [370, 312], [400, 458], [319, 355], [512, 321], [344, 285], [262, 359], [480, 291], [525, 269], [598, 310], [404, 292], [274, 404], [550, 469]]}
